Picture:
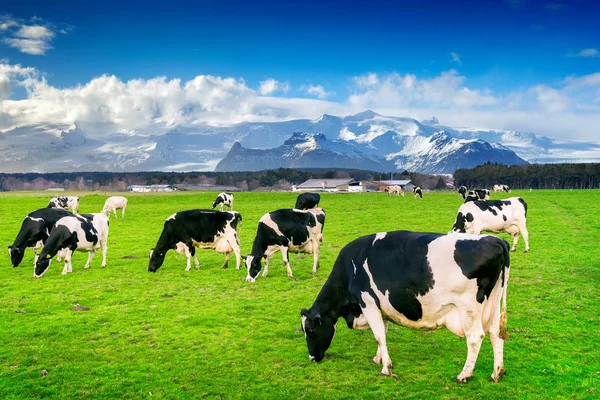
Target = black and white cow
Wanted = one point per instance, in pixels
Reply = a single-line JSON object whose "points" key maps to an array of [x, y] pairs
{"points": [[462, 192], [418, 280], [66, 203], [501, 188], [508, 216], [286, 230], [307, 201], [478, 194], [223, 199], [205, 229], [505, 188], [35, 229], [87, 232], [417, 192]]}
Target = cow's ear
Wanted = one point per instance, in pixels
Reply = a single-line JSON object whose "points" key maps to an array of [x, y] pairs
{"points": [[10, 247], [304, 312]]}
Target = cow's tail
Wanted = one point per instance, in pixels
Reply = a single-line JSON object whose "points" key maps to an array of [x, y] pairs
{"points": [[503, 317]]}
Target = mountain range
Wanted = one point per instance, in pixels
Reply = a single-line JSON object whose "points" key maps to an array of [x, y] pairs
{"points": [[365, 140]]}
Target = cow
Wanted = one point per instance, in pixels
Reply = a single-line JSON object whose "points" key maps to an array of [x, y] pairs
{"points": [[417, 192], [35, 229], [114, 203], [478, 194], [462, 192], [307, 201], [286, 230], [66, 203], [395, 190], [505, 188], [87, 232], [418, 280], [205, 229], [508, 216], [223, 199], [501, 188]]}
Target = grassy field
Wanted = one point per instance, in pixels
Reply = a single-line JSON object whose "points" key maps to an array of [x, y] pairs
{"points": [[209, 334]]}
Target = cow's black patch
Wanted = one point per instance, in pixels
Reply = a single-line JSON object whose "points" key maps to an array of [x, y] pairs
{"points": [[91, 234], [524, 205], [504, 217], [306, 201], [484, 260], [492, 205]]}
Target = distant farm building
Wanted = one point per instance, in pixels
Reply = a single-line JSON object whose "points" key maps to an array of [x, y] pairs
{"points": [[329, 185], [207, 187], [151, 188]]}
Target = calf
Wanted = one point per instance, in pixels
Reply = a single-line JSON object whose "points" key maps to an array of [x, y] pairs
{"points": [[87, 232], [307, 201], [114, 203], [462, 192], [508, 216], [66, 203], [286, 230], [223, 199], [417, 192], [205, 229], [418, 280], [478, 194], [35, 229], [395, 190]]}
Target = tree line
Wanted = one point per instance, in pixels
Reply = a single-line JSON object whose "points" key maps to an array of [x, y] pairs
{"points": [[530, 176]]}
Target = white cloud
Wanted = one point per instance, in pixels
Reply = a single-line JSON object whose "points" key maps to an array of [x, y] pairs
{"points": [[591, 52], [30, 39], [271, 86], [106, 104], [318, 91], [455, 58]]}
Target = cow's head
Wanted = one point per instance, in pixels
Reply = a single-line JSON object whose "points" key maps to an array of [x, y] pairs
{"points": [[16, 255], [253, 265], [41, 265], [214, 204], [319, 332], [460, 225], [156, 259]]}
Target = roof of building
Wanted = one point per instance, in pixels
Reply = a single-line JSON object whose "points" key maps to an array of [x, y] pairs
{"points": [[400, 182], [325, 183]]}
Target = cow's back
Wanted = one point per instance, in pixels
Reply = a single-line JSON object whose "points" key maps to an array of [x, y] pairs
{"points": [[199, 225]]}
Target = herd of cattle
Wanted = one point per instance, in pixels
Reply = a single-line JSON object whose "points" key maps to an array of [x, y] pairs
{"points": [[419, 280]]}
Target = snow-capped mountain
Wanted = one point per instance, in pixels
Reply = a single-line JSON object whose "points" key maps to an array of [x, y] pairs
{"points": [[388, 142]]}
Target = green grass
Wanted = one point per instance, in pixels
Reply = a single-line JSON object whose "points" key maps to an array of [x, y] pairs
{"points": [[209, 334]]}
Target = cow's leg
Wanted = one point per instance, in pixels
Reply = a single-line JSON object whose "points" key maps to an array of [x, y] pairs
{"points": [[226, 262], [236, 250], [525, 233], [268, 254], [373, 315], [104, 248], [196, 261], [377, 358], [498, 346], [472, 326], [89, 260], [115, 212], [286, 261], [188, 262], [316, 252], [514, 232], [68, 267]]}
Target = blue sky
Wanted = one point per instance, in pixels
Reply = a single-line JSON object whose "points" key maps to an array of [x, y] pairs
{"points": [[504, 49]]}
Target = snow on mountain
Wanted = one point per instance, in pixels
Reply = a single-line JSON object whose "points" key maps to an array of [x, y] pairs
{"points": [[403, 143]]}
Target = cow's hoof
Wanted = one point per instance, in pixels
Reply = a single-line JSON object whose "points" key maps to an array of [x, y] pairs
{"points": [[513, 249], [527, 251], [187, 270], [498, 377], [462, 380], [237, 268], [88, 267], [390, 375], [103, 266]]}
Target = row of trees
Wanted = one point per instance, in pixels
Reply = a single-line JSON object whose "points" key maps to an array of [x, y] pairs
{"points": [[535, 176]]}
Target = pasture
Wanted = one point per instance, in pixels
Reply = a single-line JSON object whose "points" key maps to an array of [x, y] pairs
{"points": [[209, 334]]}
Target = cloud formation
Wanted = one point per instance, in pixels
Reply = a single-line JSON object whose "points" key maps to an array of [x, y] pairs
{"points": [[31, 39], [455, 58], [591, 52], [106, 104]]}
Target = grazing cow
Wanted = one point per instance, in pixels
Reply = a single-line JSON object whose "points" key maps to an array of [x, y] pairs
{"points": [[87, 232], [508, 216], [223, 199], [478, 194], [462, 192], [35, 229], [306, 201], [286, 230], [418, 280], [114, 203], [501, 188], [395, 190], [205, 229], [66, 203], [417, 192]]}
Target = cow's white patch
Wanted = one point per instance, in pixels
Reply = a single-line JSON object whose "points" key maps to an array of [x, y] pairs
{"points": [[171, 217], [36, 219], [379, 236], [304, 325]]}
